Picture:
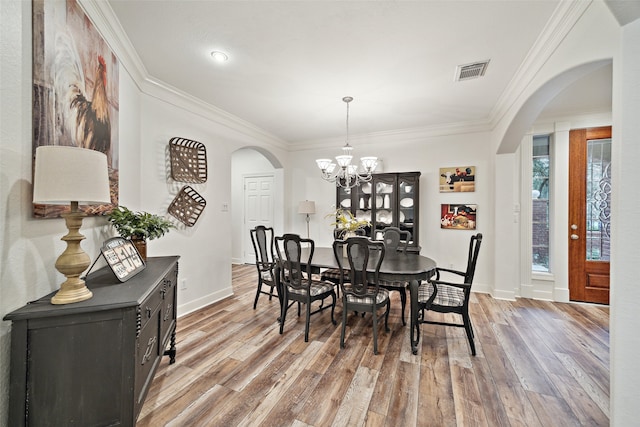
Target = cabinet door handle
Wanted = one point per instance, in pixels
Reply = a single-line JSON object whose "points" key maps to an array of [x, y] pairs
{"points": [[148, 312]]}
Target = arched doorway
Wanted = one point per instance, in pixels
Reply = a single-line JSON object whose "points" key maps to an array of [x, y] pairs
{"points": [[253, 163]]}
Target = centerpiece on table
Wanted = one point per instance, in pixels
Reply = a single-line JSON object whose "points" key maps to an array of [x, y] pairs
{"points": [[347, 224], [138, 226]]}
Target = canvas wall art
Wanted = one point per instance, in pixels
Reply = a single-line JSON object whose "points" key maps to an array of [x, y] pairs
{"points": [[458, 217], [458, 179], [75, 90]]}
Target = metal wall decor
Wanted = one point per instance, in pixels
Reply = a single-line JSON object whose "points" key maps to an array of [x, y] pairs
{"points": [[187, 206], [188, 160]]}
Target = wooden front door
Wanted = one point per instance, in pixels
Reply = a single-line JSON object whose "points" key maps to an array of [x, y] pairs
{"points": [[589, 214]]}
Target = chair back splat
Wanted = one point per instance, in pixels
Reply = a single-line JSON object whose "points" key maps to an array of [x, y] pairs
{"points": [[361, 291], [396, 241], [262, 239], [297, 284]]}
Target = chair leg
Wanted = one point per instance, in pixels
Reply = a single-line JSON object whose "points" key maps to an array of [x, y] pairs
{"points": [[375, 330], [307, 321], [270, 292], [333, 309], [255, 302], [469, 329], [283, 315], [344, 322], [386, 317]]}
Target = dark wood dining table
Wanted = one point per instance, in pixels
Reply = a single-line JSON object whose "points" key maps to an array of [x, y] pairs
{"points": [[396, 266]]}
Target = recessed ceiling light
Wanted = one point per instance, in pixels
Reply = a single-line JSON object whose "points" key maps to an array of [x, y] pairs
{"points": [[219, 56]]}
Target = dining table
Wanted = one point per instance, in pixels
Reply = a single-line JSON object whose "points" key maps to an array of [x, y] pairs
{"points": [[396, 266]]}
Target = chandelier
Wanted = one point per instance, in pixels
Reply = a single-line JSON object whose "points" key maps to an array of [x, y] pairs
{"points": [[344, 174]]}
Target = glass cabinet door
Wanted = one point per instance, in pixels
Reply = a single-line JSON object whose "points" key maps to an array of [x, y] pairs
{"points": [[408, 205], [363, 199], [384, 202], [343, 200]]}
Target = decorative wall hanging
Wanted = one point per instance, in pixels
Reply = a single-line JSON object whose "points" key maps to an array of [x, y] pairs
{"points": [[188, 160], [458, 179], [187, 206], [75, 90], [458, 217]]}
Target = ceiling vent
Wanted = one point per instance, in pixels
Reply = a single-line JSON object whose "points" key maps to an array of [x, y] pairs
{"points": [[471, 71]]}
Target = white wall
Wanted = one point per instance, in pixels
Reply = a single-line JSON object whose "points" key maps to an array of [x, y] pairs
{"points": [[625, 292]]}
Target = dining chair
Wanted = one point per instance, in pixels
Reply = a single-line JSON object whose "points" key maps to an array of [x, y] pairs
{"points": [[333, 274], [396, 241], [297, 285], [443, 296], [361, 292], [262, 239]]}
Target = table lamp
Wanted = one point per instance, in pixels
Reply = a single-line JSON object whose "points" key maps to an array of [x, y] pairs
{"points": [[307, 207], [71, 175]]}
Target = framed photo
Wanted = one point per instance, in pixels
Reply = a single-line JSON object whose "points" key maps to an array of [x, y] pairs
{"points": [[458, 217], [123, 258], [75, 91], [458, 179]]}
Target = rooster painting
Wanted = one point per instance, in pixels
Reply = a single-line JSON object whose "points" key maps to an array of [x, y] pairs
{"points": [[75, 89], [84, 117]]}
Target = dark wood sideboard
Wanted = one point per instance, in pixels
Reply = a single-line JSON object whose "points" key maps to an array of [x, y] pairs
{"points": [[91, 363]]}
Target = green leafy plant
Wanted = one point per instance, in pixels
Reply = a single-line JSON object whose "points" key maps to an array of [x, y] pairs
{"points": [[138, 225]]}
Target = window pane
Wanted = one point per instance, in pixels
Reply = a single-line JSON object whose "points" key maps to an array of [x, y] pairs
{"points": [[598, 199], [540, 203]]}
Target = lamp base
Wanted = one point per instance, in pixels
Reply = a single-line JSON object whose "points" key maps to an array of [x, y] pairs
{"points": [[72, 290], [73, 261]]}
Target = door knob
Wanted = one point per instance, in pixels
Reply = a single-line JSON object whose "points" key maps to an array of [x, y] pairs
{"points": [[574, 237], [574, 227]]}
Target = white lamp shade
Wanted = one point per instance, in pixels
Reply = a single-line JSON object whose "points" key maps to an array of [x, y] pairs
{"points": [[307, 207], [70, 174]]}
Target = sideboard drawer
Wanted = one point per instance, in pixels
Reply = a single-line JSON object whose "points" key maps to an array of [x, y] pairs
{"points": [[150, 305]]}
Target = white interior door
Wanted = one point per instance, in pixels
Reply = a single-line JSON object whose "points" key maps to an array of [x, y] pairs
{"points": [[258, 209]]}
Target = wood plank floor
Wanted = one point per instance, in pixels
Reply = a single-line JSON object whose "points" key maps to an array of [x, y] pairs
{"points": [[538, 364]]}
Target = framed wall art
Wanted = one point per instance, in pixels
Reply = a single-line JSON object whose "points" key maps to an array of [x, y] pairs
{"points": [[75, 90], [458, 179], [458, 217]]}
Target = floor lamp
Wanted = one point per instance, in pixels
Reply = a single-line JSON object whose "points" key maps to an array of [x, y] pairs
{"points": [[71, 175], [307, 207]]}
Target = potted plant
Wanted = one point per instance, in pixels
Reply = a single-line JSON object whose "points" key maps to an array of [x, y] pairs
{"points": [[138, 226]]}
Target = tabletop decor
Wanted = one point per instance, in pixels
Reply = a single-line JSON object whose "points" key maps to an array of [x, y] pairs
{"points": [[139, 226], [348, 223], [71, 175]]}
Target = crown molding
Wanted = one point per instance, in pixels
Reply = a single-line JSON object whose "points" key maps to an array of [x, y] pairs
{"points": [[563, 19], [105, 20], [399, 136]]}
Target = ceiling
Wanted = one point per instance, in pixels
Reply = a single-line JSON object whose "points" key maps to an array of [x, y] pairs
{"points": [[291, 62]]}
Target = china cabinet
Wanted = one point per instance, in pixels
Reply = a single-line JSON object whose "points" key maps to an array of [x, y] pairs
{"points": [[389, 199]]}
